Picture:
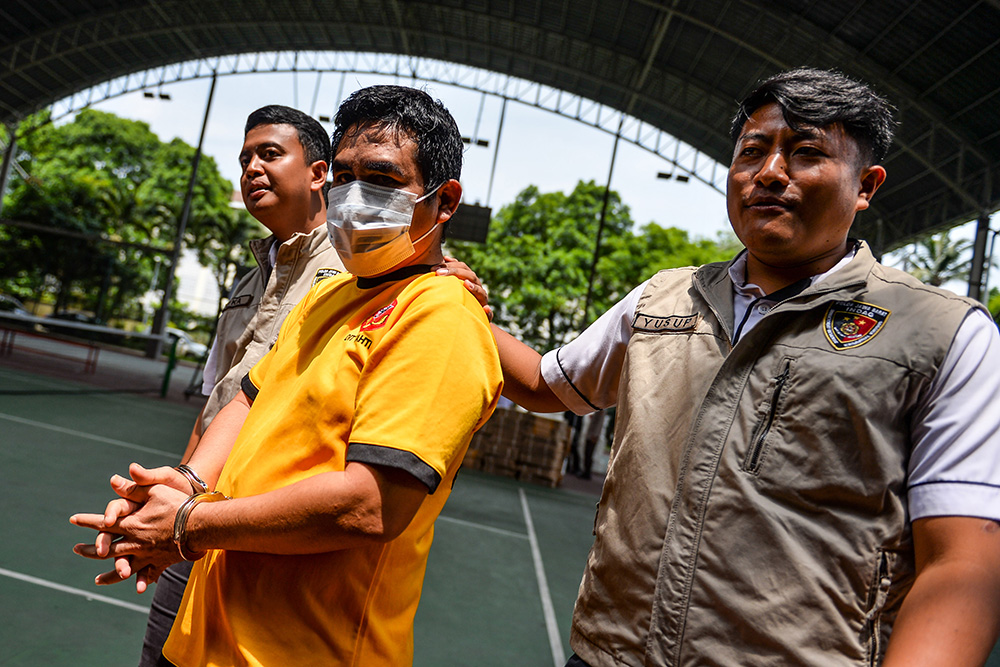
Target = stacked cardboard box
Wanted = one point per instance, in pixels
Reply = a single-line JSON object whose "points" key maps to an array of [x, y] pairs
{"points": [[520, 445]]}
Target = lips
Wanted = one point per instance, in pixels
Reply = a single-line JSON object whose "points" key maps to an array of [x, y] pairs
{"points": [[768, 202], [256, 190]]}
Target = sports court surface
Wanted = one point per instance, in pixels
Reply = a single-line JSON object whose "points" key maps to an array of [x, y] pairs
{"points": [[500, 585]]}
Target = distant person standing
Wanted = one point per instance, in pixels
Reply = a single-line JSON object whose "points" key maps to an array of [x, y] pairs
{"points": [[575, 423], [595, 426]]}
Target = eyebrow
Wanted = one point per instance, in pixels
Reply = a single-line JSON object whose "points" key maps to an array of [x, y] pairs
{"points": [[804, 133], [375, 166], [267, 144]]}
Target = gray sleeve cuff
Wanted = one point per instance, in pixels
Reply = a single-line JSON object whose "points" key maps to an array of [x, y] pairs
{"points": [[394, 458]]}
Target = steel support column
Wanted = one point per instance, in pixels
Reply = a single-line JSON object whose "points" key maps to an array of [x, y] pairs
{"points": [[8, 163], [979, 258], [163, 314]]}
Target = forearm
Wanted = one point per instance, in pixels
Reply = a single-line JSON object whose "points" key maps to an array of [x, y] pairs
{"points": [[212, 450], [522, 375], [194, 438], [335, 510], [951, 616]]}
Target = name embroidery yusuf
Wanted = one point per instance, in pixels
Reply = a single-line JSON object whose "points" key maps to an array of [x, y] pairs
{"points": [[664, 324]]}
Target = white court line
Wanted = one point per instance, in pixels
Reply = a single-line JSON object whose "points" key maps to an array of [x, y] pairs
{"points": [[480, 526], [73, 591], [555, 642], [88, 436]]}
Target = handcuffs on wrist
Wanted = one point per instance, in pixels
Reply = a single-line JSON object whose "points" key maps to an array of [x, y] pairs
{"points": [[198, 485], [180, 521]]}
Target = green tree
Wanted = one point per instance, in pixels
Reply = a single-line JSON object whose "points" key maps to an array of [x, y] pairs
{"points": [[105, 177], [216, 232], [537, 258], [638, 256], [937, 259], [222, 247], [993, 304]]}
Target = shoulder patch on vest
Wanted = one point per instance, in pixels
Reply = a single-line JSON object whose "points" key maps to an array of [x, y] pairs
{"points": [[850, 324], [378, 320], [239, 301], [323, 274], [664, 324]]}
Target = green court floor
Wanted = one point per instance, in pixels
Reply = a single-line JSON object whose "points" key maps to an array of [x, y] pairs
{"points": [[497, 591], [500, 585]]}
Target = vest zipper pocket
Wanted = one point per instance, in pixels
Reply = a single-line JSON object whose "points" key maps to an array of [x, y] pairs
{"points": [[751, 463], [877, 597]]}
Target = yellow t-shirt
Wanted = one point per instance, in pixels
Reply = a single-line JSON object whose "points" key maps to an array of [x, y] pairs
{"points": [[399, 374]]}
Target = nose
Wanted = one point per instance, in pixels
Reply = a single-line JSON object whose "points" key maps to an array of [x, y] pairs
{"points": [[773, 172], [253, 167]]}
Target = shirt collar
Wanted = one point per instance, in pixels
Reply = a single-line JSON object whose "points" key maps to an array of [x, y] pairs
{"points": [[272, 254], [398, 274], [738, 272]]}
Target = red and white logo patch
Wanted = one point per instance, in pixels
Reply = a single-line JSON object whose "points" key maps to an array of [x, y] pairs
{"points": [[850, 324], [378, 320]]}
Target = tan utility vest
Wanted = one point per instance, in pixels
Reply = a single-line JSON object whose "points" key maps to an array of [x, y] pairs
{"points": [[755, 507], [250, 322]]}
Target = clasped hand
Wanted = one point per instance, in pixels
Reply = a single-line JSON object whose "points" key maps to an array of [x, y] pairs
{"points": [[136, 529]]}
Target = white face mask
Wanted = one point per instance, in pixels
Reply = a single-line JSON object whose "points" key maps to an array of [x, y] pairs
{"points": [[369, 225]]}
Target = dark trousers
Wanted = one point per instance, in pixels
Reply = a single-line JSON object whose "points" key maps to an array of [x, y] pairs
{"points": [[575, 661], [162, 612], [588, 457]]}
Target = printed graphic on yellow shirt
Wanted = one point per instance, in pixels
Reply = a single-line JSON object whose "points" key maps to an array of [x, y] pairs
{"points": [[378, 320], [360, 338]]}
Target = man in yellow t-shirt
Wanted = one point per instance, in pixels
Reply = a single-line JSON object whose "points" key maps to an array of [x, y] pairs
{"points": [[343, 446]]}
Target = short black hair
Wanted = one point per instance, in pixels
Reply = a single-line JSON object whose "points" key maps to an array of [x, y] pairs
{"points": [[314, 139], [413, 112], [819, 98]]}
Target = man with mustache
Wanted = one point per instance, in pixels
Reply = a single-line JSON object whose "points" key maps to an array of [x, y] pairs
{"points": [[806, 466]]}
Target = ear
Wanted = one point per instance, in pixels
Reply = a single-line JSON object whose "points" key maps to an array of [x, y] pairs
{"points": [[317, 180], [871, 178], [449, 196]]}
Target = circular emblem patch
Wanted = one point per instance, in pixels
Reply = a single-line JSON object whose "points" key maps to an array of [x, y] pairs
{"points": [[850, 324]]}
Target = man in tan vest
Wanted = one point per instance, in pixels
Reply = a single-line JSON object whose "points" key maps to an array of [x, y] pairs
{"points": [[806, 462], [285, 159]]}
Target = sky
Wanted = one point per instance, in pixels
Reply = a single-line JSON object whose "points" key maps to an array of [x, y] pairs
{"points": [[537, 147]]}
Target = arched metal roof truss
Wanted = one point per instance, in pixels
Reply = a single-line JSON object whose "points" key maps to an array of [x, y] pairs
{"points": [[676, 65]]}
